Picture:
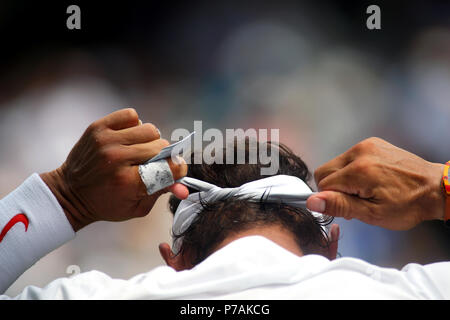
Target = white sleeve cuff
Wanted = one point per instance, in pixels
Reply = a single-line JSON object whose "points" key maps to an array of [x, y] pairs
{"points": [[34, 204]]}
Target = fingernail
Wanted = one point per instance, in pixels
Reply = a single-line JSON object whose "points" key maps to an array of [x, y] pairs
{"points": [[317, 204]]}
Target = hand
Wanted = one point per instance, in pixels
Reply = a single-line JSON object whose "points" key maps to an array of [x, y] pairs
{"points": [[381, 185], [100, 178]]}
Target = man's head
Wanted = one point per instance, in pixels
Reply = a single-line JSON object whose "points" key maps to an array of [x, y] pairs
{"points": [[221, 222]]}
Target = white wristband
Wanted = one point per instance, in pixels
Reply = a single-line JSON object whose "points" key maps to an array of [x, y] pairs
{"points": [[42, 227]]}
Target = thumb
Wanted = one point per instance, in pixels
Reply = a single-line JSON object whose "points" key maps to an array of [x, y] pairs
{"points": [[337, 204], [179, 190]]}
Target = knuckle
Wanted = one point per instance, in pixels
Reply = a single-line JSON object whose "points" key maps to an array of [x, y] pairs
{"points": [[322, 185], [130, 113], [359, 148], [363, 146], [175, 168], [375, 140], [164, 143], [93, 127], [150, 130], [318, 174], [367, 145], [179, 170], [100, 138], [110, 155], [362, 165], [370, 144], [104, 138], [337, 207]]}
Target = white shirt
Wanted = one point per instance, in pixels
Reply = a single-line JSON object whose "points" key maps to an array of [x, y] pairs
{"points": [[254, 267]]}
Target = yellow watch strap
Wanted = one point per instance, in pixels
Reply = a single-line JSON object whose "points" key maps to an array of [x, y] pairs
{"points": [[446, 183]]}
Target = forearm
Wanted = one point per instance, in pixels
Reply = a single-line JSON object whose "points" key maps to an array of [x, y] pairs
{"points": [[437, 193], [32, 224]]}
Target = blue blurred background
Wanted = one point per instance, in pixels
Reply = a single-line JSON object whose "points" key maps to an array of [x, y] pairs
{"points": [[309, 68]]}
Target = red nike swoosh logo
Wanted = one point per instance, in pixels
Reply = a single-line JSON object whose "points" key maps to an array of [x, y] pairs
{"points": [[16, 219]]}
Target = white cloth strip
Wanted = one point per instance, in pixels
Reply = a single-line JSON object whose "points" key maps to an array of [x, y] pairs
{"points": [[167, 151], [288, 190], [155, 172], [156, 175]]}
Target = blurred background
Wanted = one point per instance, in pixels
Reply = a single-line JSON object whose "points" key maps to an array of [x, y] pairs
{"points": [[309, 68]]}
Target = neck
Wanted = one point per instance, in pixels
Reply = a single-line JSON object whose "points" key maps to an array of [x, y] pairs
{"points": [[277, 234]]}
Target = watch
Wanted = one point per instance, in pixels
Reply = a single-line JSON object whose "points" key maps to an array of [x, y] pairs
{"points": [[446, 185]]}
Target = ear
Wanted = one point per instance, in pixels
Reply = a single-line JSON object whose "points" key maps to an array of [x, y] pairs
{"points": [[177, 262], [334, 238]]}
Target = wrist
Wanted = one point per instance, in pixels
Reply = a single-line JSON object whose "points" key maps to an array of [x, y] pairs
{"points": [[437, 194], [446, 189], [72, 207]]}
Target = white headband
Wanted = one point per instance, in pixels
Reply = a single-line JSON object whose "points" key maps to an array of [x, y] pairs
{"points": [[288, 190]]}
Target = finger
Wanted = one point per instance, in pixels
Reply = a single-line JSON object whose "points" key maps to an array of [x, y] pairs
{"points": [[146, 204], [139, 134], [121, 119], [159, 175], [357, 178], [331, 166], [141, 152], [178, 167], [333, 236], [179, 190], [338, 204], [334, 233], [343, 180]]}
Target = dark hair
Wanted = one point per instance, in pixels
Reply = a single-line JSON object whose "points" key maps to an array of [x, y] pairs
{"points": [[222, 218]]}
